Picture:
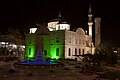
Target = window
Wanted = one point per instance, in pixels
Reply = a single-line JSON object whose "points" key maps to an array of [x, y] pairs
{"points": [[83, 51], [79, 51], [57, 52], [79, 41], [83, 42], [62, 26], [75, 51], [76, 41], [69, 39], [29, 42], [29, 50], [69, 52], [87, 52], [51, 25], [57, 39], [58, 27], [45, 52]]}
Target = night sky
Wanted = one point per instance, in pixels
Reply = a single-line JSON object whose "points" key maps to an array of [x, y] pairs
{"points": [[23, 14]]}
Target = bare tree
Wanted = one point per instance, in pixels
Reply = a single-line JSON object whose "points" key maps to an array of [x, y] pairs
{"points": [[16, 37]]}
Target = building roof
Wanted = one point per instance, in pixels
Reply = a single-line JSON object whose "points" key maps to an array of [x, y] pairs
{"points": [[55, 20], [42, 30], [63, 21]]}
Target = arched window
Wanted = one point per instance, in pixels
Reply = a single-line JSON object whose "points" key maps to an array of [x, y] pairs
{"points": [[57, 52], [76, 41], [75, 51], [29, 50], [29, 42], [83, 51], [58, 27], [83, 42], [69, 40], [69, 52], [45, 52], [79, 41]]}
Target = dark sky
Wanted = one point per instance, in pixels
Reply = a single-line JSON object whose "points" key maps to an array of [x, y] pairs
{"points": [[25, 13]]}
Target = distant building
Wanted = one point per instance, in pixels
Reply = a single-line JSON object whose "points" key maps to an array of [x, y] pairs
{"points": [[7, 43]]}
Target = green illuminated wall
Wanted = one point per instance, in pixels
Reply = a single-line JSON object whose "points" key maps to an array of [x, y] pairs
{"points": [[52, 45], [53, 51], [30, 51], [30, 48], [52, 42]]}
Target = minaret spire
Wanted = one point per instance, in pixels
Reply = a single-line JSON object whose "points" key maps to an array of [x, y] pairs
{"points": [[90, 22], [90, 9], [90, 14], [59, 15]]}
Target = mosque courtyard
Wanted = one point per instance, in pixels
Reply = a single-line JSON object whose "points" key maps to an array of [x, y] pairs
{"points": [[41, 73]]}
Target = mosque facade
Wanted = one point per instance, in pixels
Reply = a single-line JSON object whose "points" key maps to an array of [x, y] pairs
{"points": [[57, 41]]}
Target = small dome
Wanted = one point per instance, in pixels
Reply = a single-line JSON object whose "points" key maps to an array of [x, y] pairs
{"points": [[80, 31], [55, 20], [63, 21], [42, 30]]}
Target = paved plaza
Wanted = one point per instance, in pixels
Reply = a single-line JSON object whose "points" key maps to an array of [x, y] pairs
{"points": [[42, 73]]}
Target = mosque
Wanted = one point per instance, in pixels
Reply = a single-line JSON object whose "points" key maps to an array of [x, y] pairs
{"points": [[57, 41]]}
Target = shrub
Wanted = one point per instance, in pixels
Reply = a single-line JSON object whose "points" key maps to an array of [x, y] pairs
{"points": [[30, 74], [112, 74], [11, 70], [99, 69], [77, 67]]}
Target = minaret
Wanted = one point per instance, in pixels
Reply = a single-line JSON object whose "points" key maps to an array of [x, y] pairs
{"points": [[90, 22]]}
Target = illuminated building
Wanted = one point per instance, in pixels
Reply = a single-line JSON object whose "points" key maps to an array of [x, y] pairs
{"points": [[56, 41]]}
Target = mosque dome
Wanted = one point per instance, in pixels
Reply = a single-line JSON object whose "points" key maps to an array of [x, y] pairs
{"points": [[60, 20], [63, 21], [55, 20], [80, 31]]}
